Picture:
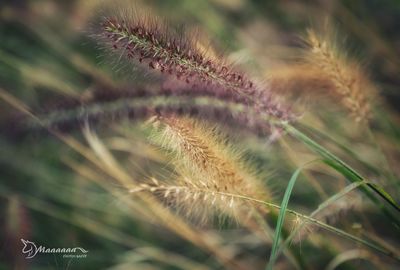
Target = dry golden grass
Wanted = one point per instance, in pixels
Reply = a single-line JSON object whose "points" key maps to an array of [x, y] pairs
{"points": [[210, 173], [347, 77]]}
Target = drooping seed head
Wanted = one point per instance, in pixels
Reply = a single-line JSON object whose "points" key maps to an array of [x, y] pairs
{"points": [[177, 56], [212, 177]]}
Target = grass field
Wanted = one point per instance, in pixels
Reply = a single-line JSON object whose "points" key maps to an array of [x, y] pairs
{"points": [[202, 134]]}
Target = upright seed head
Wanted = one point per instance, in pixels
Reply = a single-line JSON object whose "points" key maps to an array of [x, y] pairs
{"points": [[347, 77]]}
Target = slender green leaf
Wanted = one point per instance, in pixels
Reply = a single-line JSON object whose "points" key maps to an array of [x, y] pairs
{"points": [[281, 217], [321, 207], [347, 171]]}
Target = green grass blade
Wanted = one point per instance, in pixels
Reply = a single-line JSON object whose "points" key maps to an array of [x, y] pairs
{"points": [[351, 174], [281, 218], [321, 207], [320, 135]]}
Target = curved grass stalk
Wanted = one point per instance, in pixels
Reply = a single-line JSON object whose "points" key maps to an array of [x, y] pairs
{"points": [[237, 114], [281, 217], [295, 259], [321, 207], [291, 154], [355, 254], [323, 225], [341, 146], [347, 171], [140, 108], [278, 207], [330, 158]]}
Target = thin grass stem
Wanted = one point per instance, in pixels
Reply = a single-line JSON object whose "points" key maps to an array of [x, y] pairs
{"points": [[351, 174]]}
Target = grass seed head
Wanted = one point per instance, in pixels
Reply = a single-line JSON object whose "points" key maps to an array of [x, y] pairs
{"points": [[213, 177], [347, 77]]}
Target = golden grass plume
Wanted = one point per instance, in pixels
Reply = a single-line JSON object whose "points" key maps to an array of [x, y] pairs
{"points": [[347, 77], [211, 179]]}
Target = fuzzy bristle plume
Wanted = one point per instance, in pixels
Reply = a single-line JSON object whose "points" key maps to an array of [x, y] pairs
{"points": [[349, 82], [212, 177], [177, 55]]}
